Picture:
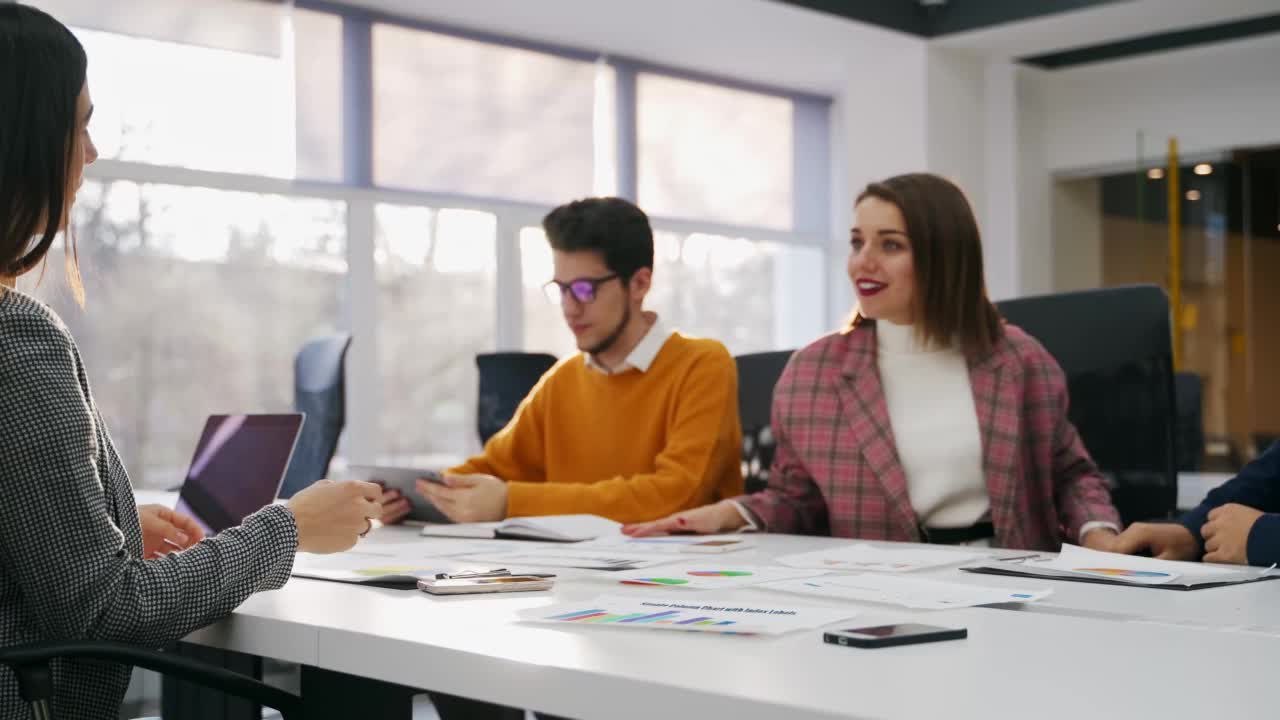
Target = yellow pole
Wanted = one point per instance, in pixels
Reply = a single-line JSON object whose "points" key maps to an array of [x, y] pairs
{"points": [[1175, 251]]}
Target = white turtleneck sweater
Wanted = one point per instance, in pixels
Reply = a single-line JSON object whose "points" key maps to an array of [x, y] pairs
{"points": [[935, 427]]}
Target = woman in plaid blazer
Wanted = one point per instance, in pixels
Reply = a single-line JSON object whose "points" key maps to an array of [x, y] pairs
{"points": [[78, 560], [928, 410]]}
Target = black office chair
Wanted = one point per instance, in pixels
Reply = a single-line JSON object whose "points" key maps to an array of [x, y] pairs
{"points": [[758, 373], [319, 388], [1114, 345], [1188, 391], [505, 379], [31, 664]]}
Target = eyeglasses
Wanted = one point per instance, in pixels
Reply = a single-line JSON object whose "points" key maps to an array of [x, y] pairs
{"points": [[582, 289]]}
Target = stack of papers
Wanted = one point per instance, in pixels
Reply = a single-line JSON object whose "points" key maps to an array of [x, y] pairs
{"points": [[690, 614], [868, 558], [572, 558], [908, 592], [1084, 565], [402, 562], [552, 528]]}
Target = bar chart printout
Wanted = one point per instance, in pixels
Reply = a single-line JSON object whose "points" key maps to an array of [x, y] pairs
{"points": [[692, 614]]}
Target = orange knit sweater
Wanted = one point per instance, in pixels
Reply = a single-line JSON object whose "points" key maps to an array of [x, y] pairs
{"points": [[632, 447]]}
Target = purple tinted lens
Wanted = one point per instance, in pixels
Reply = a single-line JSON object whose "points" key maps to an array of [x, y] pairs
{"points": [[583, 290]]}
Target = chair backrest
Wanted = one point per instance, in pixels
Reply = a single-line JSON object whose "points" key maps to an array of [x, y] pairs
{"points": [[758, 373], [319, 386], [1188, 390], [1114, 345], [505, 379]]}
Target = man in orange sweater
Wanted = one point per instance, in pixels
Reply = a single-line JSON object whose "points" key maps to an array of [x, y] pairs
{"points": [[642, 423]]}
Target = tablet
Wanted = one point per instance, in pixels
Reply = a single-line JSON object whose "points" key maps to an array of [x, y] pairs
{"points": [[405, 480]]}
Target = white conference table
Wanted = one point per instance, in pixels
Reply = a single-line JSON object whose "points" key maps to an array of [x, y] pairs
{"points": [[1088, 651]]}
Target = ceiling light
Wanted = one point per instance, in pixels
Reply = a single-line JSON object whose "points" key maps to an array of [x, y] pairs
{"points": [[1193, 195], [1155, 173], [1204, 169]]}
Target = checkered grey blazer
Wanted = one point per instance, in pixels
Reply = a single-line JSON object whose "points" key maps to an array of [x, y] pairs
{"points": [[71, 563]]}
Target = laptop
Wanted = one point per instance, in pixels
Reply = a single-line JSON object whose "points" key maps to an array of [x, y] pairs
{"points": [[238, 467]]}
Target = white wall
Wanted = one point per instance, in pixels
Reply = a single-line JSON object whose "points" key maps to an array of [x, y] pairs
{"points": [[984, 131], [956, 110], [1034, 196], [1212, 98]]}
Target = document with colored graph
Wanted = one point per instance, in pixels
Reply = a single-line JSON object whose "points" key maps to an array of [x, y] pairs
{"points": [[1084, 565], [710, 575], [690, 614]]}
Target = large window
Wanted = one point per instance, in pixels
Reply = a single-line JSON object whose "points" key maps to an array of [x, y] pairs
{"points": [[273, 171], [544, 326], [752, 296], [198, 95], [713, 153], [460, 116], [436, 310], [197, 301]]}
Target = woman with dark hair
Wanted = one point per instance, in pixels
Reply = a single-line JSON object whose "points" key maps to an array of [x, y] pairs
{"points": [[78, 560], [928, 418]]}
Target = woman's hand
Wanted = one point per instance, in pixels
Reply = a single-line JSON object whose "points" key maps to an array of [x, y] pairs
{"points": [[706, 520], [165, 530], [332, 516]]}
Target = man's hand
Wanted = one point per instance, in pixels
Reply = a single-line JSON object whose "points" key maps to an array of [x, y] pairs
{"points": [[468, 498], [165, 530], [1226, 535], [1164, 541]]}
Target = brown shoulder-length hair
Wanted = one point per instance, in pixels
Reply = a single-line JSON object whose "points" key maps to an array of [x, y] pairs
{"points": [[946, 248], [42, 69]]}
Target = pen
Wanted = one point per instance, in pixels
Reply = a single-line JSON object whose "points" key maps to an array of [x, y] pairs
{"points": [[473, 574], [487, 574]]}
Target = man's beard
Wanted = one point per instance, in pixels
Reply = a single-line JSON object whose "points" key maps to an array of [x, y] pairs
{"points": [[612, 339]]}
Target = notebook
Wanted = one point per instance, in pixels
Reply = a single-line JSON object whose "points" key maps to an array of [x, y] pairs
{"points": [[1079, 564], [549, 528]]}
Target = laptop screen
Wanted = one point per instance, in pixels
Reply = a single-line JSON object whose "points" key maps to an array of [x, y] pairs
{"points": [[237, 468]]}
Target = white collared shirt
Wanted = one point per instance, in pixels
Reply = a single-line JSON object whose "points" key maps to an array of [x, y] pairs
{"points": [[642, 355]]}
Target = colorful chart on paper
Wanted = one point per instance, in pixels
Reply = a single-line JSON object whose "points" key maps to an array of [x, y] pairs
{"points": [[694, 614], [706, 576]]}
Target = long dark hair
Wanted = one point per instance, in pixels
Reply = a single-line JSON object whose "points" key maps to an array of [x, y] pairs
{"points": [[946, 246], [42, 70]]}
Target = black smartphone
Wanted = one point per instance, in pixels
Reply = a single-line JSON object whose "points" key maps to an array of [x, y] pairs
{"points": [[889, 635]]}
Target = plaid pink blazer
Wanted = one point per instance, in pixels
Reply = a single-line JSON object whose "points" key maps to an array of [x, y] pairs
{"points": [[836, 468]]}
